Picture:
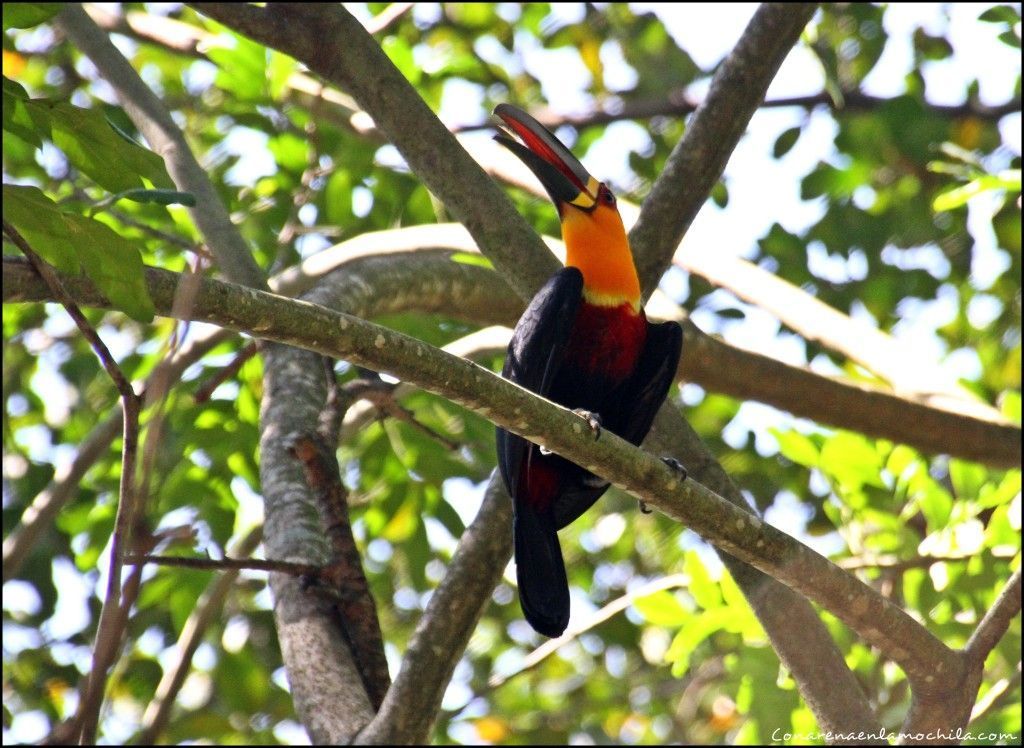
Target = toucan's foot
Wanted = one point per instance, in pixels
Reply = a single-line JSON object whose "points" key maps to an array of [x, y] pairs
{"points": [[593, 421], [676, 465]]}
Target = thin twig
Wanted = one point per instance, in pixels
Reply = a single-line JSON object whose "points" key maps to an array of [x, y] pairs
{"points": [[228, 564], [47, 504], [382, 396], [110, 628], [680, 104], [1001, 694], [207, 610], [386, 17], [995, 623], [616, 606], [224, 373], [892, 564], [174, 240]]}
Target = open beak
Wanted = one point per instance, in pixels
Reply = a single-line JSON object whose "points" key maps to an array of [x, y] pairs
{"points": [[562, 175]]}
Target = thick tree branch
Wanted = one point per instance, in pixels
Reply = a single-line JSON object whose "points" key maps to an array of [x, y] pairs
{"points": [[443, 631], [294, 394], [731, 528], [699, 159], [741, 277], [707, 361], [414, 166], [889, 358], [186, 38], [344, 576]]}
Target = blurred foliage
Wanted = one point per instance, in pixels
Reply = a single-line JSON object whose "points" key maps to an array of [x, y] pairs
{"points": [[913, 209]]}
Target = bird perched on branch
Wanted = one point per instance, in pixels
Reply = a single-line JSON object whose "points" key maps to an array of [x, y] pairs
{"points": [[583, 342]]}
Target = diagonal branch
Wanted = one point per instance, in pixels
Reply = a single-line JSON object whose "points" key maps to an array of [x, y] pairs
{"points": [[358, 65], [699, 159], [995, 623], [441, 635], [731, 528], [678, 104], [112, 621], [886, 356]]}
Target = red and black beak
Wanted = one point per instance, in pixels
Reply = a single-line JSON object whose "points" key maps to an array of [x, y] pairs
{"points": [[561, 173]]}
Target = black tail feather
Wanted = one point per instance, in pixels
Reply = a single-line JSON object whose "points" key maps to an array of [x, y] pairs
{"points": [[540, 571]]}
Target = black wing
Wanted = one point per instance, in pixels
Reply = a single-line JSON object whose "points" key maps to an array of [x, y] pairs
{"points": [[646, 389], [535, 355], [629, 410]]}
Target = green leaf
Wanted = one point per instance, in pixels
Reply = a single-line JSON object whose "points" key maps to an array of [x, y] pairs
{"points": [[704, 589], [469, 258], [785, 142], [400, 53], [689, 637], [720, 194], [958, 196], [1000, 14], [662, 608], [98, 150], [161, 197], [242, 68], [27, 15], [935, 504], [797, 447], [114, 264], [42, 224], [279, 71], [17, 119], [852, 460], [90, 144], [1010, 405]]}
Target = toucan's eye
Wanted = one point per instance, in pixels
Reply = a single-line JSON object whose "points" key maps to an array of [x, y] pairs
{"points": [[606, 196]]}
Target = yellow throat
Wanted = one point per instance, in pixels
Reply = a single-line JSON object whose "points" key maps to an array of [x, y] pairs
{"points": [[596, 243]]}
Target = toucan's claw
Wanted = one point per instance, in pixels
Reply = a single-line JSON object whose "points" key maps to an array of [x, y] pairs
{"points": [[644, 509], [676, 465], [593, 421]]}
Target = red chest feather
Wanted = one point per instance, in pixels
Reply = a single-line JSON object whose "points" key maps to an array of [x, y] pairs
{"points": [[606, 341]]}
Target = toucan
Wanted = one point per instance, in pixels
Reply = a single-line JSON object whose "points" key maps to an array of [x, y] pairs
{"points": [[583, 342]]}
